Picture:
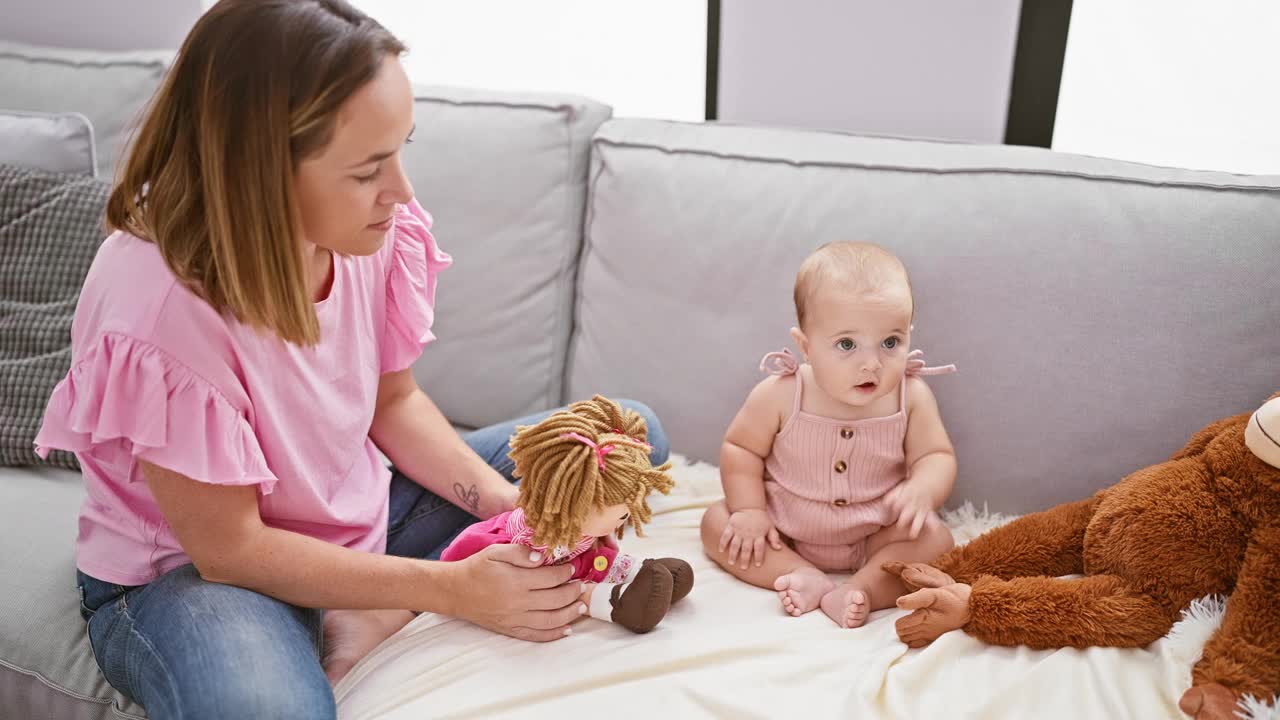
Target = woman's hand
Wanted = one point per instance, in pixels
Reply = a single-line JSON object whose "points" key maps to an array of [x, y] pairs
{"points": [[746, 534], [502, 588]]}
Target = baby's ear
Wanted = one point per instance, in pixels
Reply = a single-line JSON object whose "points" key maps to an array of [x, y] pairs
{"points": [[802, 341]]}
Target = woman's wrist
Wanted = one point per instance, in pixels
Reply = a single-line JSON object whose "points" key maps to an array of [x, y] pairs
{"points": [[498, 495], [434, 587], [483, 491]]}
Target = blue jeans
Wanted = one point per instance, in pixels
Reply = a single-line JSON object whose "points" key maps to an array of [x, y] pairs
{"points": [[185, 648]]}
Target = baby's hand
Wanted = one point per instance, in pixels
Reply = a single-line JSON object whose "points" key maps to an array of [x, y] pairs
{"points": [[745, 536], [911, 503]]}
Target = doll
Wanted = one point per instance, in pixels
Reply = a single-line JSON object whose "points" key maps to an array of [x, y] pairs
{"points": [[584, 476]]}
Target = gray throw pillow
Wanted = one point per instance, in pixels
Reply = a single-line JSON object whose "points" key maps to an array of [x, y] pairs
{"points": [[59, 142], [51, 225]]}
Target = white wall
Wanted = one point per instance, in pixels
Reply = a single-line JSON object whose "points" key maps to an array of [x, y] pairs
{"points": [[1185, 83], [99, 24], [646, 58], [925, 68]]}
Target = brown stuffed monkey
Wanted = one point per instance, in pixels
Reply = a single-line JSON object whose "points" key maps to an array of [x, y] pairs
{"points": [[1207, 521]]}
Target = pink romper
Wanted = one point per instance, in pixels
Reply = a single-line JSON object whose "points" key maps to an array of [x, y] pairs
{"points": [[592, 561], [825, 479]]}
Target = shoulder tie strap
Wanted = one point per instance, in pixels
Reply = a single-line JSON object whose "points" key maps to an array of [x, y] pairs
{"points": [[916, 366], [781, 362]]}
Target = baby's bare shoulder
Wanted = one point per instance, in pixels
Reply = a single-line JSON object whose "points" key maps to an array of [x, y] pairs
{"points": [[769, 403], [918, 394]]}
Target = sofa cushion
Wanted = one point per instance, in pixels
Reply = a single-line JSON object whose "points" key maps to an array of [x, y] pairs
{"points": [[504, 175], [1099, 311], [110, 88], [50, 227], [57, 142], [47, 669]]}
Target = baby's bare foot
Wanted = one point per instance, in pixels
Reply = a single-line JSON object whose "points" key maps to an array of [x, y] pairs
{"points": [[847, 606], [801, 589], [349, 635]]}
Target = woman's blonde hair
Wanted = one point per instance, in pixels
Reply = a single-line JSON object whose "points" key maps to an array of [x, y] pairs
{"points": [[587, 457], [254, 90]]}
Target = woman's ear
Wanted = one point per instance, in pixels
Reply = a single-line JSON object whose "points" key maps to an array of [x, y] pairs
{"points": [[802, 341]]}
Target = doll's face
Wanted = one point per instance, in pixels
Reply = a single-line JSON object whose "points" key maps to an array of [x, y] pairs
{"points": [[605, 521]]}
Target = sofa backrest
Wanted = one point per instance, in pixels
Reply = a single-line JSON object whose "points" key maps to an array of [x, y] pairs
{"points": [[1099, 311], [504, 175], [110, 88]]}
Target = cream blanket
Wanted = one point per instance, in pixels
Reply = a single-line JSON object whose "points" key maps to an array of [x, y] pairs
{"points": [[728, 651]]}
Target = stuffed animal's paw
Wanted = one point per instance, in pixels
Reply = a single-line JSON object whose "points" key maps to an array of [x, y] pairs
{"points": [[934, 611], [1209, 702], [917, 575]]}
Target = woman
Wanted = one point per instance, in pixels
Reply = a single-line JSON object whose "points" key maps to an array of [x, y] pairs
{"points": [[242, 344]]}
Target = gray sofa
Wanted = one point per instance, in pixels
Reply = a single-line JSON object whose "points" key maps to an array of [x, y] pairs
{"points": [[1099, 311]]}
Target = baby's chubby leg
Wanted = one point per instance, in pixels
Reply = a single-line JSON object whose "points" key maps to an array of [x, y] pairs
{"points": [[800, 585], [871, 588]]}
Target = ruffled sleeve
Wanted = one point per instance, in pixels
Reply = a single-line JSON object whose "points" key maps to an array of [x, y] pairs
{"points": [[411, 288], [126, 395]]}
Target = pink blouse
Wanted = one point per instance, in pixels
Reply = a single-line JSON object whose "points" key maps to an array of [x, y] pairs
{"points": [[158, 375]]}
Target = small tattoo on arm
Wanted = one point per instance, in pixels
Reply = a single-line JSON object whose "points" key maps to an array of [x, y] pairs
{"points": [[470, 497]]}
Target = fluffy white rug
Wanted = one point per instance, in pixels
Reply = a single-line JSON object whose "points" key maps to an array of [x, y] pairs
{"points": [[1185, 640]]}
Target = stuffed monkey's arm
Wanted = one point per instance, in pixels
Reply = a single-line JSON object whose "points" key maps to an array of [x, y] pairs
{"points": [[1244, 654]]}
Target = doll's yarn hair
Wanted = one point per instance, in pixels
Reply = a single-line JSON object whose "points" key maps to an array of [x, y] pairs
{"points": [[563, 479]]}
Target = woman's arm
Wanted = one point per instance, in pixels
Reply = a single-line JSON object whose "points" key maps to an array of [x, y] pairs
{"points": [[414, 434], [219, 528]]}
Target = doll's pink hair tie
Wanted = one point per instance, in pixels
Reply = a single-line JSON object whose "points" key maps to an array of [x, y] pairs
{"points": [[601, 450], [632, 438]]}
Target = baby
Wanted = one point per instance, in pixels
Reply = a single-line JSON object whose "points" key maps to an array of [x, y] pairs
{"points": [[840, 462]]}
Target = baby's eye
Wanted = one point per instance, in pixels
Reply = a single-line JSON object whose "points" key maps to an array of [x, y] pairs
{"points": [[890, 343], [626, 517], [845, 344]]}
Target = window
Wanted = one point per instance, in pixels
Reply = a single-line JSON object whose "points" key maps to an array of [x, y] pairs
{"points": [[1185, 84], [646, 59]]}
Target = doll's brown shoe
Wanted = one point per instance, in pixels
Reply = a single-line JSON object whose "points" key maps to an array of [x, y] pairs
{"points": [[646, 600], [681, 577]]}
